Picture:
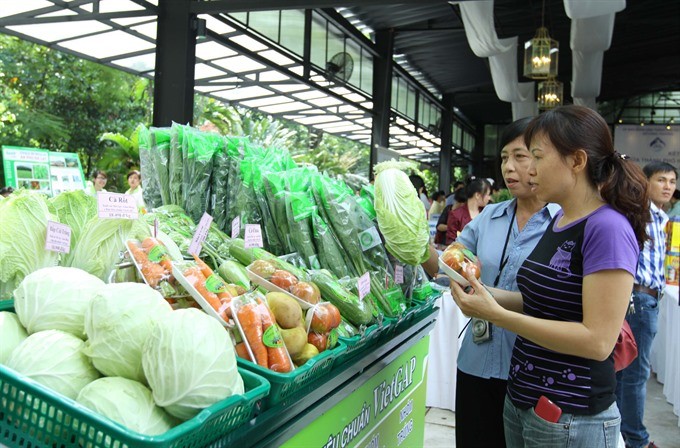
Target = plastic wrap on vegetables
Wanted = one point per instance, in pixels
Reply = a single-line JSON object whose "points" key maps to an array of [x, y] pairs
{"points": [[198, 149], [160, 153], [176, 167], [151, 189]]}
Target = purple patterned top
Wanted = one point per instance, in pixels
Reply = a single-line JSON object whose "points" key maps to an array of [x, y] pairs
{"points": [[551, 283]]}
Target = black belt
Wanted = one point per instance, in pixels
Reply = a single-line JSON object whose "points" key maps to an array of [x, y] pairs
{"points": [[649, 291]]}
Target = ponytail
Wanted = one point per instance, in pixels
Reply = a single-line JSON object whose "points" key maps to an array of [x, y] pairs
{"points": [[624, 186]]}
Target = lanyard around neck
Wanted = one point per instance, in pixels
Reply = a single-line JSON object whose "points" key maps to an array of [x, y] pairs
{"points": [[504, 260]]}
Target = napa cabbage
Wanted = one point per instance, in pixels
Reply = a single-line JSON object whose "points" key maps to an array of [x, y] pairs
{"points": [[22, 238], [56, 299], [126, 402], [103, 240], [75, 209], [12, 333], [400, 213], [118, 321], [190, 363], [56, 360]]}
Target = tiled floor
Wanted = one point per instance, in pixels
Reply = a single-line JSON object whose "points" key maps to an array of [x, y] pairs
{"points": [[662, 424]]}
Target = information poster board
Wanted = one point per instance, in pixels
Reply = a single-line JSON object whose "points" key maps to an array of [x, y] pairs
{"points": [[38, 169], [27, 168], [387, 411], [651, 143], [66, 172]]}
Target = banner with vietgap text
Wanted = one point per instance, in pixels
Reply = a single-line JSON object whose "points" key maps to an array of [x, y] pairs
{"points": [[387, 411]]}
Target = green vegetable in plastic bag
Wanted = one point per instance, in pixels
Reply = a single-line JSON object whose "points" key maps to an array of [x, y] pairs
{"points": [[160, 154], [176, 168], [151, 188], [198, 149], [400, 213]]}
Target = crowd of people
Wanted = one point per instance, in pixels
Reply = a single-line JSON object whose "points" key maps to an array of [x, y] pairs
{"points": [[578, 250]]}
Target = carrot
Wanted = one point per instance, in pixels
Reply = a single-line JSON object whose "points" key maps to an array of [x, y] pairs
{"points": [[207, 272], [242, 351], [279, 360], [251, 324], [152, 272], [197, 280], [149, 243]]}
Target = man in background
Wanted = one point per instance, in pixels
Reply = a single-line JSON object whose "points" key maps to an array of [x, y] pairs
{"points": [[643, 316]]}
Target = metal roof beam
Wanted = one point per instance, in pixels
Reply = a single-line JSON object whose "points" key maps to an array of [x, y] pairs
{"points": [[73, 18], [230, 6]]}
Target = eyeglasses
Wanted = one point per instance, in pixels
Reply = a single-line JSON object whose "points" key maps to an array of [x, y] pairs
{"points": [[101, 178]]}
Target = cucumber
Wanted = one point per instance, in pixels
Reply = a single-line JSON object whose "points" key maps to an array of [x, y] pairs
{"points": [[247, 256], [351, 308], [234, 272]]}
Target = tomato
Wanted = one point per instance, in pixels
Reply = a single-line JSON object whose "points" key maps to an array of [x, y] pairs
{"points": [[283, 279], [318, 340], [307, 292], [263, 268], [325, 318]]}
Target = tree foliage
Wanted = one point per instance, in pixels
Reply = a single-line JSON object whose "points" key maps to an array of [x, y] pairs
{"points": [[59, 102]]}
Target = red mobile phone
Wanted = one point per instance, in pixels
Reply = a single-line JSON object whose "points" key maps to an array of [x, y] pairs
{"points": [[547, 410]]}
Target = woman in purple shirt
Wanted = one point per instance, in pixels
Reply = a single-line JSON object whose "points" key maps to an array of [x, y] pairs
{"points": [[574, 287]]}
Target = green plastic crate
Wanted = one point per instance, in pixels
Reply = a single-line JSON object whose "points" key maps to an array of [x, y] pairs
{"points": [[34, 416], [285, 386], [356, 345]]}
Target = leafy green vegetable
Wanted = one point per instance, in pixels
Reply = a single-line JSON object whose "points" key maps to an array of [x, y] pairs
{"points": [[54, 359], [176, 168], [128, 403], [12, 333], [75, 209], [151, 188], [118, 322], [197, 351], [401, 215], [56, 298], [22, 238], [198, 149], [102, 242]]}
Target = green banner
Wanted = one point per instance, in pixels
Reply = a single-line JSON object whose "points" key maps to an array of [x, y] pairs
{"points": [[387, 411], [27, 168], [38, 169]]}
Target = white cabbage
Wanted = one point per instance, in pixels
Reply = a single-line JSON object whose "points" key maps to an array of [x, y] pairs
{"points": [[117, 323], [190, 363], [55, 299], [400, 213], [56, 360], [127, 402], [12, 333]]}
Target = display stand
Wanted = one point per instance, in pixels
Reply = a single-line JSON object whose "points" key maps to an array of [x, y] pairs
{"points": [[665, 356], [321, 417]]}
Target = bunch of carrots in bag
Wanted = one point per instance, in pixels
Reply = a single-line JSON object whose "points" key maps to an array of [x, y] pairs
{"points": [[262, 335], [211, 287]]}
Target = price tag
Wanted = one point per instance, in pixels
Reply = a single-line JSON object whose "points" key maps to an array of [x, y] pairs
{"points": [[200, 234], [398, 274], [155, 228], [58, 237], [236, 227], [253, 236], [116, 206], [364, 285]]}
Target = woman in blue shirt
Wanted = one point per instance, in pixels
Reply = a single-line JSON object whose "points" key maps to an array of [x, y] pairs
{"points": [[502, 236]]}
